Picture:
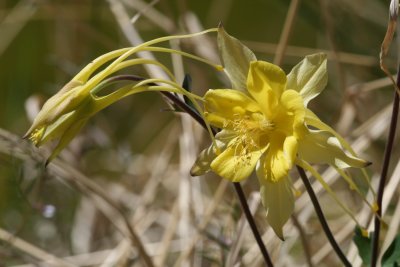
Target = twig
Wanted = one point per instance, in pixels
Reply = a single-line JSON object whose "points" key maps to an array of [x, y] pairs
{"points": [[382, 181], [321, 217], [287, 29], [32, 250]]}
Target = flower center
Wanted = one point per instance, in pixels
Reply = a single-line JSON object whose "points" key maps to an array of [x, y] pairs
{"points": [[253, 130]]}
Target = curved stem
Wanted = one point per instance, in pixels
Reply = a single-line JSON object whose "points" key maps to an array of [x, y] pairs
{"points": [[321, 217], [382, 181]]}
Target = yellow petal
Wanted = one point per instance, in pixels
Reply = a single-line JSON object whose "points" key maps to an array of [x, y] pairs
{"points": [[313, 120], [224, 105], [66, 138], [237, 162], [203, 161], [290, 118], [202, 164], [265, 83], [64, 101], [59, 127], [277, 199], [321, 147], [279, 158]]}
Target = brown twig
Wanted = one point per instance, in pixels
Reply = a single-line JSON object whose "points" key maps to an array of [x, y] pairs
{"points": [[382, 181]]}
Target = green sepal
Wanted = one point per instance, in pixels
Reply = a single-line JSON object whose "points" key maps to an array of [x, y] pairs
{"points": [[363, 245], [236, 58], [309, 77]]}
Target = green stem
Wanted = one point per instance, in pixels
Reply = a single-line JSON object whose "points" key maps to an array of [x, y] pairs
{"points": [[382, 181], [321, 217]]}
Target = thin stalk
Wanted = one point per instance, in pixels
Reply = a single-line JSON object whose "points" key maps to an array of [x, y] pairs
{"points": [[382, 181], [321, 217]]}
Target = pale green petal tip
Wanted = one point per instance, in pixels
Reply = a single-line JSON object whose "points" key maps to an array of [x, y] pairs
{"points": [[309, 77], [235, 58], [202, 164], [320, 147], [65, 139], [278, 200]]}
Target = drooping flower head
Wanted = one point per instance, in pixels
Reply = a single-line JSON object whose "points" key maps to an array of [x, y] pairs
{"points": [[65, 113], [265, 126]]}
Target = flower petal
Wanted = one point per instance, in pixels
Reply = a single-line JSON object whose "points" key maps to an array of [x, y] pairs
{"points": [[279, 158], [277, 199], [320, 147], [266, 82], [291, 118], [313, 120], [235, 58], [224, 105], [203, 161], [309, 77], [66, 138], [238, 161], [64, 101]]}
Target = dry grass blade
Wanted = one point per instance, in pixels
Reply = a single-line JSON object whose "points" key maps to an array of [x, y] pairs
{"points": [[33, 250], [15, 21], [387, 40], [88, 187], [287, 28], [110, 209], [155, 16]]}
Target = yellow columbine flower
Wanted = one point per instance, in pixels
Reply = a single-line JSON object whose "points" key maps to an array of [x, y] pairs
{"points": [[265, 127]]}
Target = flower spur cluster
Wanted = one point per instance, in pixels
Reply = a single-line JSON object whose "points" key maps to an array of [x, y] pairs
{"points": [[65, 113]]}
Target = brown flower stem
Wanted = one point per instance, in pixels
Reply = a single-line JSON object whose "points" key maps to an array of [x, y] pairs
{"points": [[321, 217], [382, 181]]}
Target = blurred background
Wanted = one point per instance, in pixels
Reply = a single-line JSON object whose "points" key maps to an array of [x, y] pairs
{"points": [[139, 153]]}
